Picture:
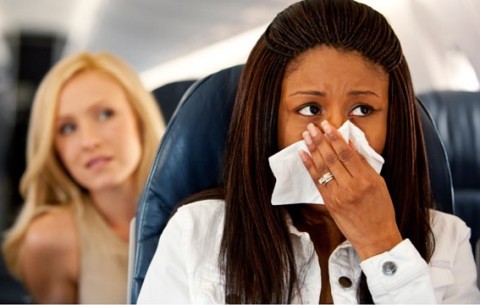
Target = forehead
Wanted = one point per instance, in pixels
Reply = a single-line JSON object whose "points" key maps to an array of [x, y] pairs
{"points": [[90, 82], [329, 59], [88, 88]]}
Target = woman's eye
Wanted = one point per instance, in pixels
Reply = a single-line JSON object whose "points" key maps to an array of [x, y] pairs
{"points": [[105, 114], [361, 110], [67, 128], [310, 110]]}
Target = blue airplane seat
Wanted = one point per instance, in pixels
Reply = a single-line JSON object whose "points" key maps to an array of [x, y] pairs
{"points": [[169, 95], [457, 117]]}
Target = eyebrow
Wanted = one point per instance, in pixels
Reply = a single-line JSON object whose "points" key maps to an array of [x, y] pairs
{"points": [[361, 92], [63, 118], [99, 103], [349, 93], [316, 93]]}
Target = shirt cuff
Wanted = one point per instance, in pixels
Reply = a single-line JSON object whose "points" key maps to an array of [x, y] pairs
{"points": [[400, 275]]}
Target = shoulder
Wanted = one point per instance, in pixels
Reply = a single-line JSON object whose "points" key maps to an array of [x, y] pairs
{"points": [[186, 258], [50, 235], [49, 257], [202, 211], [198, 219], [448, 226], [449, 232]]}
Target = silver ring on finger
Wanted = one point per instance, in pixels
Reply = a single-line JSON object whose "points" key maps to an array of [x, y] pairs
{"points": [[326, 178]]}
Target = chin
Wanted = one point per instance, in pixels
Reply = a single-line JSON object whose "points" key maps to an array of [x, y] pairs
{"points": [[98, 186]]}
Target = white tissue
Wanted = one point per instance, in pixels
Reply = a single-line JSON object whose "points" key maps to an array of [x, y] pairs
{"points": [[293, 182]]}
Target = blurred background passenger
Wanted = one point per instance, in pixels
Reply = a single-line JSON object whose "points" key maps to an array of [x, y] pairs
{"points": [[92, 135]]}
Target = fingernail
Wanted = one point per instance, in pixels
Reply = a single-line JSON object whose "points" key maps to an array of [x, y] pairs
{"points": [[352, 145], [302, 155], [312, 129], [327, 128], [307, 138]]}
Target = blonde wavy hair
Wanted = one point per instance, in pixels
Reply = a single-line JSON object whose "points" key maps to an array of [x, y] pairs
{"points": [[45, 182]]}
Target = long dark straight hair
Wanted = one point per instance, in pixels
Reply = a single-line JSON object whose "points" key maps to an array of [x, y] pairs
{"points": [[256, 252]]}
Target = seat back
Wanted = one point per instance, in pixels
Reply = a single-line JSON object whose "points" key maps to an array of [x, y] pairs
{"points": [[457, 117], [188, 160], [438, 166], [191, 154], [169, 95]]}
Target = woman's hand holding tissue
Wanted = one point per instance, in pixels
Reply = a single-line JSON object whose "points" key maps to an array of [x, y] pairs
{"points": [[357, 198]]}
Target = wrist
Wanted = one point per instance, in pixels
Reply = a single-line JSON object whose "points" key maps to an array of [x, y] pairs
{"points": [[379, 246]]}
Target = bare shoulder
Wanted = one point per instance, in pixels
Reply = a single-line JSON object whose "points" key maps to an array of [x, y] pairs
{"points": [[49, 257], [53, 231]]}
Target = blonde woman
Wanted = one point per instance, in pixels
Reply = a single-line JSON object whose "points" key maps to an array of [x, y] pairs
{"points": [[93, 133]]}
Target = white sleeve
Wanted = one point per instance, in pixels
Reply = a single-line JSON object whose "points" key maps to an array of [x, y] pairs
{"points": [[167, 277], [399, 276], [463, 288]]}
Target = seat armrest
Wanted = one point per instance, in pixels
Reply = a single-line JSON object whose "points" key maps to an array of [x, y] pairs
{"points": [[477, 261], [131, 258]]}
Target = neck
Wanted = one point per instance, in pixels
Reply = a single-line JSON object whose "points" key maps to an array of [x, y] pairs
{"points": [[117, 206]]}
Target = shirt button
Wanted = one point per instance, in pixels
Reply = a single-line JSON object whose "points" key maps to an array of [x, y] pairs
{"points": [[389, 268], [345, 282]]}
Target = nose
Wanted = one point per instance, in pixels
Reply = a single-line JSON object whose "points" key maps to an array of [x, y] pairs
{"points": [[89, 137], [336, 118]]}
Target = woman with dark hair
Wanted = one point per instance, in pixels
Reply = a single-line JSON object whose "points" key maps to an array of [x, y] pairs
{"points": [[320, 66]]}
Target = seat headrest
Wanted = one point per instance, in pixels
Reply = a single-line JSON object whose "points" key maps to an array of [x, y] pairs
{"points": [[438, 166], [457, 116], [169, 95]]}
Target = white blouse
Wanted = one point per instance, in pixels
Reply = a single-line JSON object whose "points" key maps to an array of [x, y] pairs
{"points": [[185, 268]]}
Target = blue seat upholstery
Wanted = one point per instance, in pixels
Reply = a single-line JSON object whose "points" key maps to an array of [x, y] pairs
{"points": [[457, 117], [169, 95], [190, 157], [187, 161]]}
